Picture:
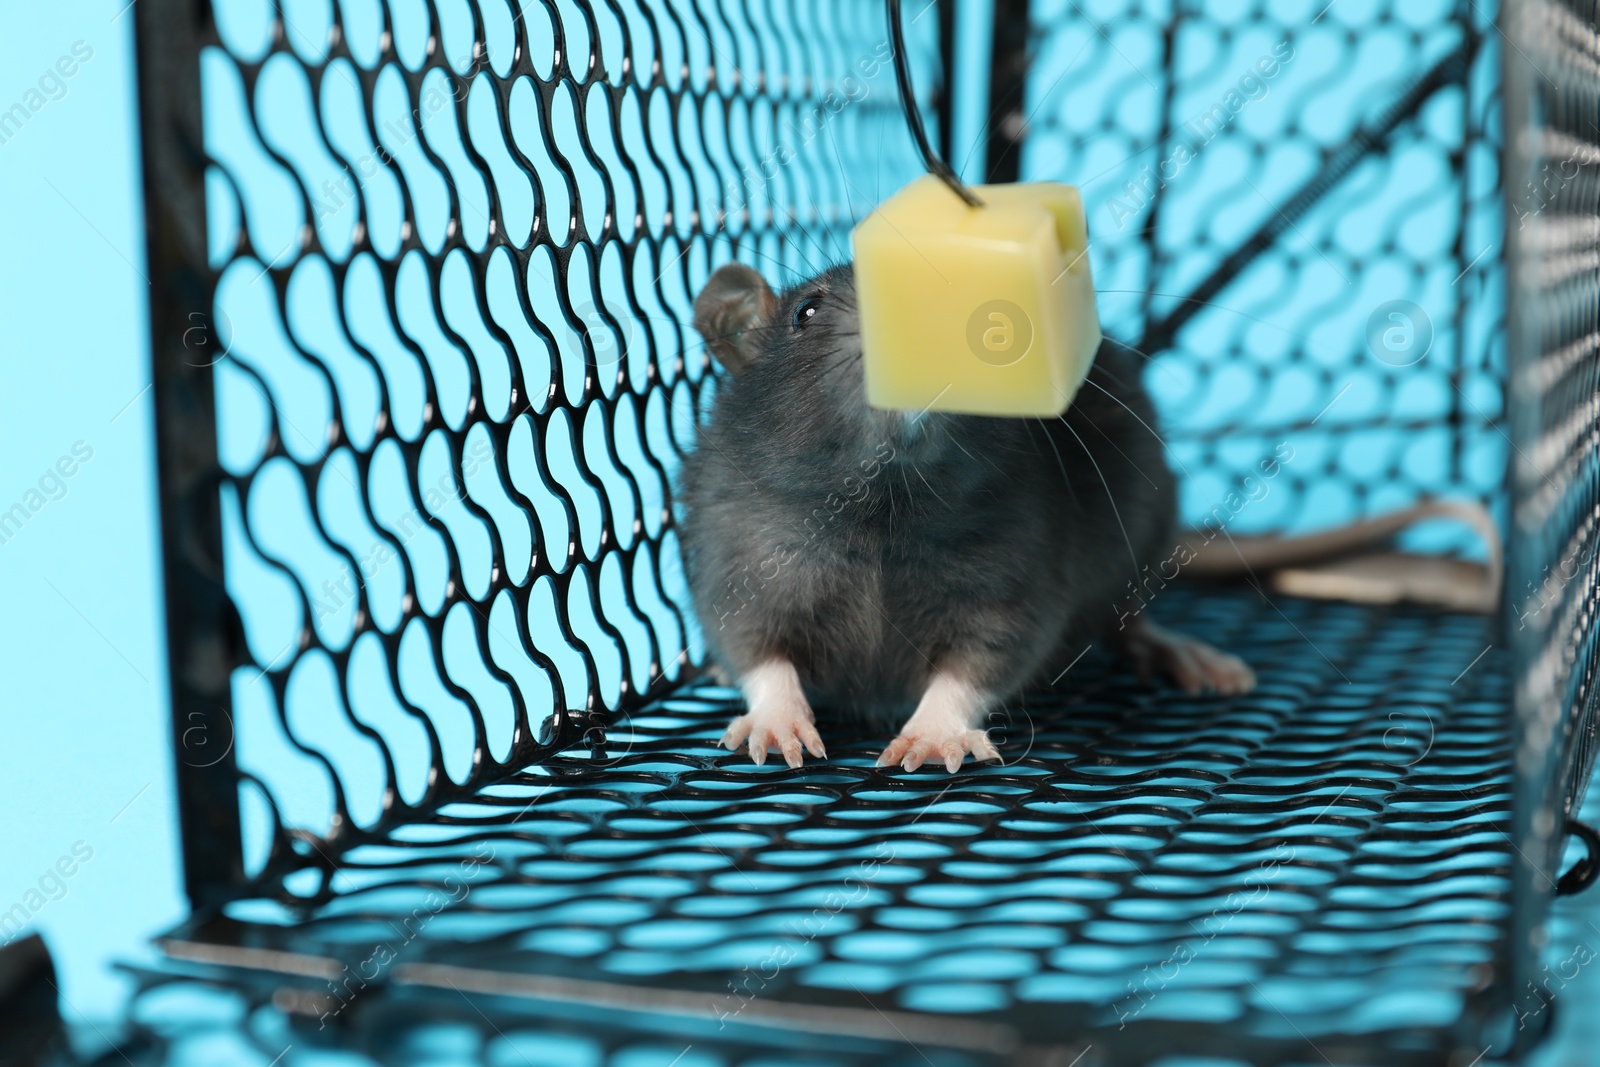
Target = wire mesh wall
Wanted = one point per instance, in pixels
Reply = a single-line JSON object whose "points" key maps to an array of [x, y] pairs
{"points": [[1553, 105], [454, 248], [1267, 186]]}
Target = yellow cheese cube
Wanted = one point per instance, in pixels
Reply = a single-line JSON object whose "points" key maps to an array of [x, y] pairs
{"points": [[981, 310]]}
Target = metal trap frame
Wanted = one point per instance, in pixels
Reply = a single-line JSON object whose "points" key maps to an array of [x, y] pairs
{"points": [[444, 784]]}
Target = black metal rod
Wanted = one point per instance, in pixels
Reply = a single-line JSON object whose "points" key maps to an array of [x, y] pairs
{"points": [[908, 101], [204, 635], [1008, 78], [1449, 70], [944, 102]]}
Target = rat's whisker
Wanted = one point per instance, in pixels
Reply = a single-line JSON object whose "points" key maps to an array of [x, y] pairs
{"points": [[1209, 304], [1100, 369], [1158, 364], [1090, 380], [877, 176], [822, 250], [956, 441], [799, 247], [1059, 463], [1020, 451], [931, 489], [1120, 452], [849, 200], [706, 341], [888, 491], [1134, 556], [782, 266], [740, 333]]}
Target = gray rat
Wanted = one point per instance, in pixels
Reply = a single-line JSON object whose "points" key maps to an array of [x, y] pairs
{"points": [[910, 570]]}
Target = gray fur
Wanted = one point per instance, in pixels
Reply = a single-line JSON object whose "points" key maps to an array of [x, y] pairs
{"points": [[989, 545]]}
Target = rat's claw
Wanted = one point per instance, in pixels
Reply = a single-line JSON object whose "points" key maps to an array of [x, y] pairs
{"points": [[787, 734], [895, 752], [737, 731], [911, 751]]}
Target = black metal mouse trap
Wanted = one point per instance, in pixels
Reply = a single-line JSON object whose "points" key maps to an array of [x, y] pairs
{"points": [[422, 275]]}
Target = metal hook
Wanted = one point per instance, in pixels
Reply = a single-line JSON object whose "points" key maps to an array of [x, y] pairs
{"points": [[908, 102]]}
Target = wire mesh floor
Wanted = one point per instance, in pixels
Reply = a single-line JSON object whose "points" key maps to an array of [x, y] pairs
{"points": [[1316, 870]]}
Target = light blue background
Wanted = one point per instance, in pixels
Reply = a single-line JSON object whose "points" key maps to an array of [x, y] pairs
{"points": [[83, 738], [83, 750]]}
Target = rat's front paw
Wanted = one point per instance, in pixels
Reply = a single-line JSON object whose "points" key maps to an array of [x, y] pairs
{"points": [[913, 748], [784, 731]]}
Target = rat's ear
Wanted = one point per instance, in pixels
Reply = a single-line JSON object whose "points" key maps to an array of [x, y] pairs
{"points": [[735, 302]]}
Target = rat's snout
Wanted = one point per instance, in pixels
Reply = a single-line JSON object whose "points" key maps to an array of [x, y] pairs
{"points": [[904, 430], [912, 423]]}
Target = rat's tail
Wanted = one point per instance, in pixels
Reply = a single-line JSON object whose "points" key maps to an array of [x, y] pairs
{"points": [[1341, 562]]}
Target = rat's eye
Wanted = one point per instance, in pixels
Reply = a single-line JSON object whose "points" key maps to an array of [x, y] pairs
{"points": [[804, 311]]}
